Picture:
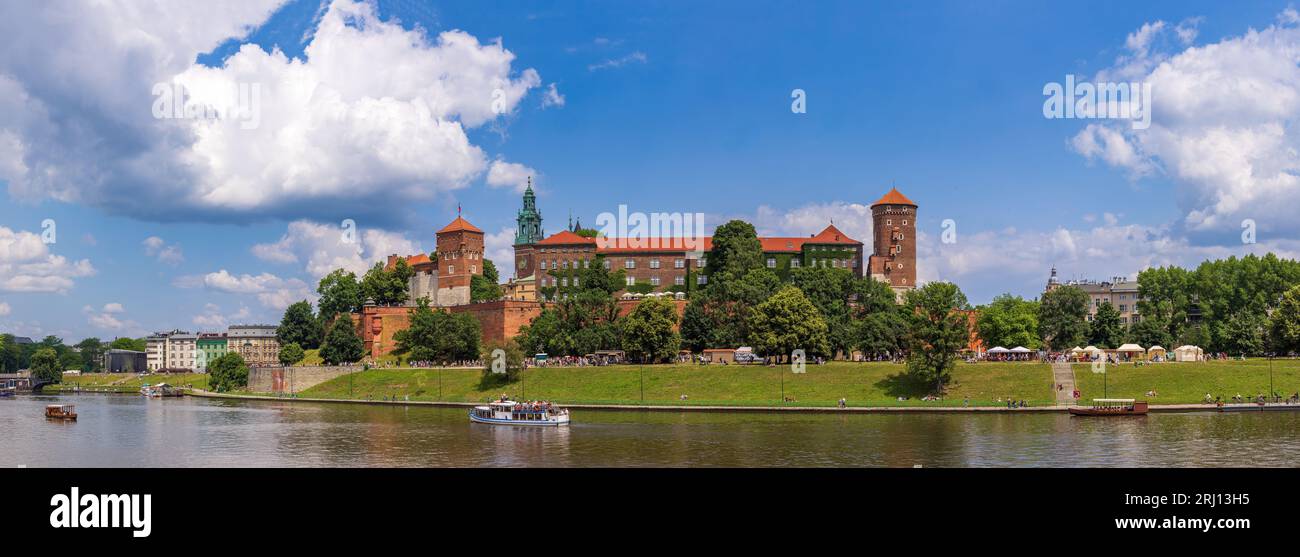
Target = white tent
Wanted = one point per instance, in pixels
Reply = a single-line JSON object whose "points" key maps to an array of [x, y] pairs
{"points": [[1188, 353], [1157, 351], [998, 350], [1020, 350], [1131, 348], [1092, 349], [1076, 350]]}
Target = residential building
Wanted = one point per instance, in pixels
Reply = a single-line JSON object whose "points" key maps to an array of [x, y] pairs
{"points": [[1119, 291], [181, 347], [210, 346], [255, 343]]}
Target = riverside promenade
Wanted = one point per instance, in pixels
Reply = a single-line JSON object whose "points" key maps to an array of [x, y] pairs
{"points": [[723, 408]]}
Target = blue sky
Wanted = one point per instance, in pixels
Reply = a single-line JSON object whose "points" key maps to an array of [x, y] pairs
{"points": [[666, 106]]}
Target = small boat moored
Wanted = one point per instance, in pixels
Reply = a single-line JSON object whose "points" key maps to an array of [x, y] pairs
{"points": [[160, 390], [1112, 407], [61, 411], [509, 412]]}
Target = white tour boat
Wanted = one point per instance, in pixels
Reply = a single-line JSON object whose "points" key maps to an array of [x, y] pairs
{"points": [[509, 412]]}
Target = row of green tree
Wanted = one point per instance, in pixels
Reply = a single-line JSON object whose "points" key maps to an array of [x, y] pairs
{"points": [[1237, 305], [85, 356]]}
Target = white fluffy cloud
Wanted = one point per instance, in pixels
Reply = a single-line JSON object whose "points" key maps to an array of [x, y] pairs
{"points": [[322, 248], [272, 291], [213, 318], [499, 248], [512, 175], [1223, 125], [110, 318], [373, 116], [26, 265], [166, 253]]}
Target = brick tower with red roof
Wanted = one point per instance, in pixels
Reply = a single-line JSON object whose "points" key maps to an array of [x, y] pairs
{"points": [[893, 224], [460, 257]]}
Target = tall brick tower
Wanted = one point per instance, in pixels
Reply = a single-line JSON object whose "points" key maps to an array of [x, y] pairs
{"points": [[460, 256], [893, 224]]}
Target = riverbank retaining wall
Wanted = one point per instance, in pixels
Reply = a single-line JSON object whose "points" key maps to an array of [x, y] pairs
{"points": [[293, 379]]}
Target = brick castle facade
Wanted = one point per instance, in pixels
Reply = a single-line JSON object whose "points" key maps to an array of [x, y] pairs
{"points": [[546, 267]]}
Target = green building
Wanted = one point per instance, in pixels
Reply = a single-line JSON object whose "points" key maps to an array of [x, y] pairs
{"points": [[210, 346]]}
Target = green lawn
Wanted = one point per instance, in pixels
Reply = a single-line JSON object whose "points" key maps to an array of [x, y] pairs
{"points": [[872, 384], [1187, 382], [128, 382]]}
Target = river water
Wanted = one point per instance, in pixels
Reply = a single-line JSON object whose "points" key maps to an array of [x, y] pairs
{"points": [[132, 431]]}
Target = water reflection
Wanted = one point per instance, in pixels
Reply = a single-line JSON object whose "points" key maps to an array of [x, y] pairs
{"points": [[128, 431]]}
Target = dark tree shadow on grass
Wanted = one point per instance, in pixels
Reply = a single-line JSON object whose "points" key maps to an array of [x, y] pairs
{"points": [[906, 385]]}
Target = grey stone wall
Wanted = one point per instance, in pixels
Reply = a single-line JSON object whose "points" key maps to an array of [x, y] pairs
{"points": [[294, 379]]}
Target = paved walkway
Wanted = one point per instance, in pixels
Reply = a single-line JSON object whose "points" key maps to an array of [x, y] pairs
{"points": [[1063, 374]]}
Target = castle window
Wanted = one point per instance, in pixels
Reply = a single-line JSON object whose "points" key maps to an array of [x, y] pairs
{"points": [[679, 280], [795, 263], [702, 279], [451, 269], [771, 263], [575, 282], [654, 281], [900, 265], [543, 264], [654, 263], [904, 222], [629, 263], [679, 263], [889, 222], [631, 281], [606, 264], [703, 263], [473, 269], [523, 263], [564, 281]]}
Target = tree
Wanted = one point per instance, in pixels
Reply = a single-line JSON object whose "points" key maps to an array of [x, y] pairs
{"points": [[649, 331], [545, 334], [1009, 321], [1062, 318], [486, 287], [123, 343], [339, 293], [1164, 298], [1246, 333], [438, 335], [91, 351], [387, 287], [342, 345], [46, 367], [503, 362], [299, 326], [938, 330], [8, 354], [735, 251], [1105, 330], [1285, 326], [227, 372], [786, 322], [728, 303], [698, 326], [880, 333], [291, 354], [1151, 332], [830, 290]]}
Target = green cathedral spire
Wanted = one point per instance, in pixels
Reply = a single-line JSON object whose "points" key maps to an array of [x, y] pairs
{"points": [[529, 227]]}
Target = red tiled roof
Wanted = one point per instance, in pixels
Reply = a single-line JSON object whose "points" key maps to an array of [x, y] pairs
{"points": [[566, 238], [894, 198], [412, 260], [458, 225]]}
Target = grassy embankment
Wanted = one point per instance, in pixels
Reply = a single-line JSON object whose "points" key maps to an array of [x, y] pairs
{"points": [[125, 382], [871, 384], [1187, 382]]}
